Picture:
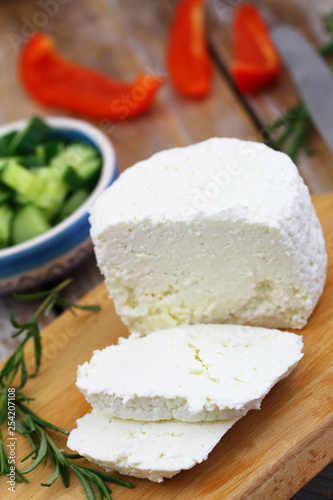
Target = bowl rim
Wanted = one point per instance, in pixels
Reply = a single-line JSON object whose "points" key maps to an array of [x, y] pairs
{"points": [[109, 169]]}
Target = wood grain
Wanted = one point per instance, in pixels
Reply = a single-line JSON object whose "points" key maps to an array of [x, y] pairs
{"points": [[270, 453], [120, 38]]}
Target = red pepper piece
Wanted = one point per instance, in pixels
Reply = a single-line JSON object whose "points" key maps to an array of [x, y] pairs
{"points": [[188, 58], [257, 62], [55, 81]]}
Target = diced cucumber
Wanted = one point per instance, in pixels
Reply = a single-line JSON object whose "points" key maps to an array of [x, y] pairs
{"points": [[22, 181], [52, 196], [75, 200], [28, 222], [19, 199], [3, 163], [46, 151], [25, 140], [43, 180], [30, 161], [73, 156], [24, 161], [83, 175], [6, 218], [5, 194], [5, 140]]}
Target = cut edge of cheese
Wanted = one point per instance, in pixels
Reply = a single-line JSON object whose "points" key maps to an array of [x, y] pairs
{"points": [[151, 450], [189, 373]]}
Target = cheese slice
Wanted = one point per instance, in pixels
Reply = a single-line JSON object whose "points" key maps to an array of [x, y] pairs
{"points": [[152, 450], [222, 231], [190, 373]]}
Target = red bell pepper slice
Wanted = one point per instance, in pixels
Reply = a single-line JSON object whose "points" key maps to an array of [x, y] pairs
{"points": [[257, 62], [54, 81], [188, 58]]}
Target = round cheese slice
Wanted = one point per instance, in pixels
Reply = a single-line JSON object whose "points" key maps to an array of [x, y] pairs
{"points": [[152, 450], [189, 373]]}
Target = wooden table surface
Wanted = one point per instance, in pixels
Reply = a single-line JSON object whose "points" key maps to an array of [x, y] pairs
{"points": [[124, 37]]}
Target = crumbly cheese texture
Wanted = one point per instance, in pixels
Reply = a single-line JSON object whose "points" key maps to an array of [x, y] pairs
{"points": [[222, 231], [152, 450], [191, 373]]}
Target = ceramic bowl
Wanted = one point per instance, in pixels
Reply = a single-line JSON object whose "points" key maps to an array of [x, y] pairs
{"points": [[67, 244]]}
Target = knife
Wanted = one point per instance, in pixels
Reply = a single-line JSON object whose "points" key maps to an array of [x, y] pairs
{"points": [[311, 76]]}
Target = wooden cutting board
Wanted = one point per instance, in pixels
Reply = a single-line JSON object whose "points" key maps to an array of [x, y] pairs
{"points": [[270, 453]]}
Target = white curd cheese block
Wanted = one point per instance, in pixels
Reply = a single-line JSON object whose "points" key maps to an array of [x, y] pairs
{"points": [[222, 231], [190, 373], [152, 450]]}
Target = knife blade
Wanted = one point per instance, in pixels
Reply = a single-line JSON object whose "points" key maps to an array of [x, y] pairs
{"points": [[311, 76]]}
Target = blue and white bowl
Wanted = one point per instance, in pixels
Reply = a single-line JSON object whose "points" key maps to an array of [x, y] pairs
{"points": [[67, 244]]}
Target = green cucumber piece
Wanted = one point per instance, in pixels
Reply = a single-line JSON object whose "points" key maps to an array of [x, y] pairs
{"points": [[6, 218], [19, 199], [25, 140], [28, 223], [21, 180], [74, 201], [52, 196], [84, 175], [73, 156], [48, 150], [5, 194], [30, 161], [5, 140], [3, 163]]}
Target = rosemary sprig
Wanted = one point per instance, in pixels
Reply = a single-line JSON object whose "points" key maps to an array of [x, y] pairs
{"points": [[292, 129], [44, 449], [30, 330], [5, 463], [28, 423]]}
